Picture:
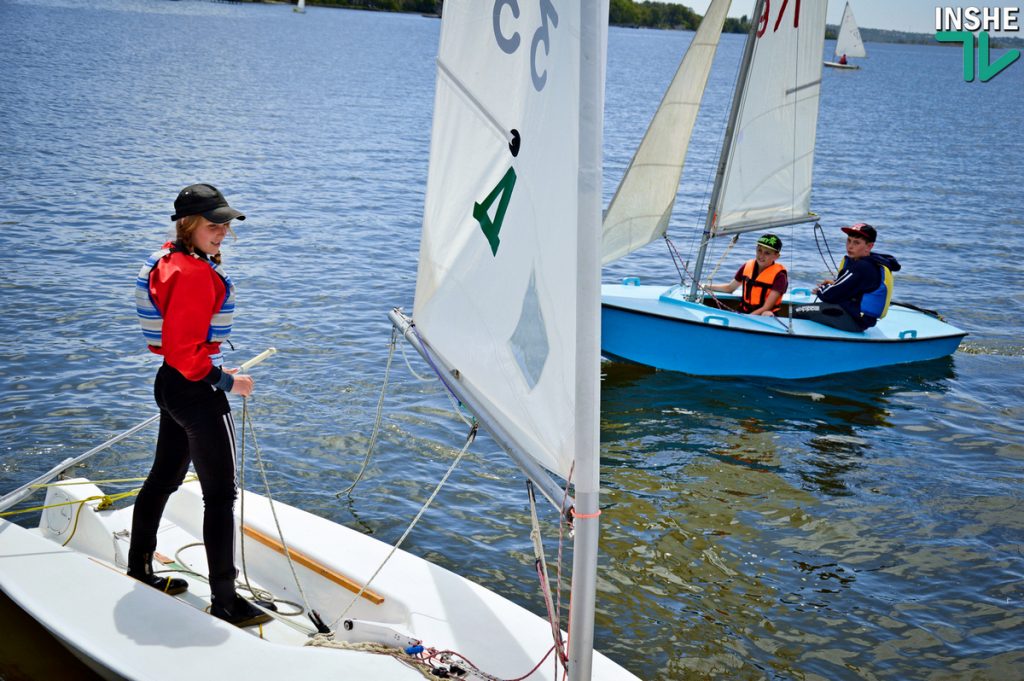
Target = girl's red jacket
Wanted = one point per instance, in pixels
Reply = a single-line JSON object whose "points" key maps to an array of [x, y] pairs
{"points": [[188, 292]]}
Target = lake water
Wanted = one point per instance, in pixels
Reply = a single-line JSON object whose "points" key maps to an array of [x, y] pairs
{"points": [[854, 527]]}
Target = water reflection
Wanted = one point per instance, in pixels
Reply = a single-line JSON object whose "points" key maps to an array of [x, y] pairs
{"points": [[740, 519], [657, 419]]}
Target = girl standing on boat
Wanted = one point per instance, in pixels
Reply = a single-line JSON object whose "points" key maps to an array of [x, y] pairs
{"points": [[185, 303]]}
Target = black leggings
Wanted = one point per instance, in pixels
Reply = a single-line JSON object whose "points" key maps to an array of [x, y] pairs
{"points": [[196, 426], [828, 314]]}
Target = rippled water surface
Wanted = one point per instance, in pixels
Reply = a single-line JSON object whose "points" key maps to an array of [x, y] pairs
{"points": [[859, 526]]}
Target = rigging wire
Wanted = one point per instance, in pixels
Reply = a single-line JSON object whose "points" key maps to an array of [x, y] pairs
{"points": [[677, 259], [379, 417], [247, 421], [408, 364], [469, 441], [834, 268], [456, 403], [732, 242], [540, 564]]}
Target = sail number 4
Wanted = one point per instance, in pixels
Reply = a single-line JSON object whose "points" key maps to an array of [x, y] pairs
{"points": [[762, 24], [510, 43], [491, 228]]}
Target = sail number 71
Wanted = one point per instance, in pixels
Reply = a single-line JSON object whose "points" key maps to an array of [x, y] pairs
{"points": [[762, 24]]}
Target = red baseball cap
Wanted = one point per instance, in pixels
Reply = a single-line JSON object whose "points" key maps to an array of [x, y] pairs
{"points": [[862, 230]]}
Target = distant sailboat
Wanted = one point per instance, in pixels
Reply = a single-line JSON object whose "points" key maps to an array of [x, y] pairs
{"points": [[848, 42], [300, 7]]}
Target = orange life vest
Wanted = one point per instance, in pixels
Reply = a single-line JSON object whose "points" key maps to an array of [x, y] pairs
{"points": [[755, 289]]}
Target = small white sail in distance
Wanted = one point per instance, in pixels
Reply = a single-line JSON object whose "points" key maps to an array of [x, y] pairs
{"points": [[848, 41], [640, 210]]}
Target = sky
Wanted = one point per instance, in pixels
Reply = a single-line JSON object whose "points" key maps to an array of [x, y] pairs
{"points": [[917, 16]]}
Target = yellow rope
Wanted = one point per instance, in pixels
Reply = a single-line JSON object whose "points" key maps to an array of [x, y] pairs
{"points": [[70, 483], [106, 500]]}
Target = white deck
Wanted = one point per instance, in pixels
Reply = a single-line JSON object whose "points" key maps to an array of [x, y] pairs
{"points": [[128, 630]]}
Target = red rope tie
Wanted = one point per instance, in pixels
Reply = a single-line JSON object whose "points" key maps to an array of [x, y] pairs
{"points": [[585, 515]]}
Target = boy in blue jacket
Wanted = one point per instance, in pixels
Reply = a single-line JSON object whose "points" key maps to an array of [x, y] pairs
{"points": [[860, 294]]}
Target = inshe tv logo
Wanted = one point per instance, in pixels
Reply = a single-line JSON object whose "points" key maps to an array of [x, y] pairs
{"points": [[957, 25]]}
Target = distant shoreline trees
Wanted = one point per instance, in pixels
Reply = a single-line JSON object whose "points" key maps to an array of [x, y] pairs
{"points": [[421, 6], [667, 15], [652, 14], [648, 14]]}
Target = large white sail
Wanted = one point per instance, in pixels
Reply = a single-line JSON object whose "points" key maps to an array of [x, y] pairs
{"points": [[848, 41], [767, 180], [640, 210], [496, 292]]}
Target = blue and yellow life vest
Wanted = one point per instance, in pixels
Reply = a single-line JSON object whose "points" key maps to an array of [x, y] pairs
{"points": [[876, 303], [152, 321]]}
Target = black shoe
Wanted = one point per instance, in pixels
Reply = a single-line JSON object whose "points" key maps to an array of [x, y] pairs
{"points": [[239, 612], [140, 567], [169, 585]]}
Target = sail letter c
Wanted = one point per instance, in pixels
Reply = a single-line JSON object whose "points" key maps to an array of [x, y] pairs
{"points": [[511, 44]]}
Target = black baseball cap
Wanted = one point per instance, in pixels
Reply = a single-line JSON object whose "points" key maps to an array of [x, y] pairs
{"points": [[771, 241], [205, 200], [862, 230]]}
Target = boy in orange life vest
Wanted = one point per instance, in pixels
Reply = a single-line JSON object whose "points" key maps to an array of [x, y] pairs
{"points": [[763, 280]]}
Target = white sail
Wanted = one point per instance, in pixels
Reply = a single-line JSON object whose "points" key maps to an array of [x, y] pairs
{"points": [[640, 210], [496, 292], [848, 41], [767, 180]]}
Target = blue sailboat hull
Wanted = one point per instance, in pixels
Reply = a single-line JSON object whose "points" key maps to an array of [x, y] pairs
{"points": [[656, 326]]}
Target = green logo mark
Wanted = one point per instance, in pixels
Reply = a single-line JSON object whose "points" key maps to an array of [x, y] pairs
{"points": [[986, 69]]}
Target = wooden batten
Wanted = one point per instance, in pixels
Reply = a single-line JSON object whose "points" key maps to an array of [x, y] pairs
{"points": [[306, 561]]}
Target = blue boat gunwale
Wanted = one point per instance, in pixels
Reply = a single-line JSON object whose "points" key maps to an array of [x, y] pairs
{"points": [[735, 329]]}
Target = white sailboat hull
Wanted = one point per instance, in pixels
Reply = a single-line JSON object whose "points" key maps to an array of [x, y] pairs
{"points": [[837, 65], [124, 629]]}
